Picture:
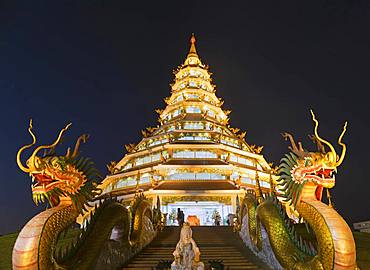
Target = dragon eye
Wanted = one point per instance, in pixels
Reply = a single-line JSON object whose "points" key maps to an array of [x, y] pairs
{"points": [[308, 162], [330, 157], [37, 162], [55, 163]]}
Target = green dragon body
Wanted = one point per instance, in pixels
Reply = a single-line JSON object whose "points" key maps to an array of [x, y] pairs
{"points": [[303, 175], [68, 184]]}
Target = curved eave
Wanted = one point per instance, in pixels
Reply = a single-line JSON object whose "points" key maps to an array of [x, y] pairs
{"points": [[167, 146], [246, 170]]}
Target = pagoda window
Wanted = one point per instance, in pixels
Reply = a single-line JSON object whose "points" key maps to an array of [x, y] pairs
{"points": [[193, 138], [193, 109], [121, 183], [245, 161], [154, 143], [127, 166], [193, 125], [234, 158], [176, 112], [241, 160], [201, 138], [157, 142], [231, 143], [192, 96], [203, 86], [192, 84], [211, 113], [194, 154], [234, 176], [265, 184], [157, 177], [186, 138], [131, 181], [205, 154], [155, 157], [196, 176], [218, 129], [179, 98], [247, 180], [147, 159], [203, 176], [183, 154], [181, 176], [145, 178], [193, 72]]}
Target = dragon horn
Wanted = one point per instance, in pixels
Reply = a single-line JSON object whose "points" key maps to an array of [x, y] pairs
{"points": [[32, 158], [19, 162], [343, 145], [321, 139], [299, 151], [287, 136], [82, 138]]}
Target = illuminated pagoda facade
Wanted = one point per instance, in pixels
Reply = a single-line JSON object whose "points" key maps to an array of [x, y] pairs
{"points": [[193, 159]]}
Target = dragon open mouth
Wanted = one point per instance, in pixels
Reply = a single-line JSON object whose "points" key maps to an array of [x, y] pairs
{"points": [[42, 182], [323, 176], [325, 173]]}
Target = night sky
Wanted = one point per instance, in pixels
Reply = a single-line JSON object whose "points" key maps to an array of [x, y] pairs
{"points": [[105, 66]]}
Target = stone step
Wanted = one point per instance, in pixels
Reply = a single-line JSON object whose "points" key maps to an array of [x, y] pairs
{"points": [[215, 243]]}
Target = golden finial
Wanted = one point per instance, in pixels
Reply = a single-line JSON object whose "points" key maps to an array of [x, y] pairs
{"points": [[193, 50]]}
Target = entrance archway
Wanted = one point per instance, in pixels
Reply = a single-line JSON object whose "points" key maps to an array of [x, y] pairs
{"points": [[203, 210]]}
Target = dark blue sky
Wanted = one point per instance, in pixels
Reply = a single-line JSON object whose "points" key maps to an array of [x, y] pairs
{"points": [[105, 66]]}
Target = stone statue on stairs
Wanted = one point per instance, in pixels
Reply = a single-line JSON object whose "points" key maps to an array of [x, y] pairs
{"points": [[187, 254]]}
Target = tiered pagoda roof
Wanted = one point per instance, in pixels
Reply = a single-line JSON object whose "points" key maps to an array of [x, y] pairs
{"points": [[193, 147]]}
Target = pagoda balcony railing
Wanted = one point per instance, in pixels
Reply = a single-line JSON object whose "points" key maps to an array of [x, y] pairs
{"points": [[194, 179]]}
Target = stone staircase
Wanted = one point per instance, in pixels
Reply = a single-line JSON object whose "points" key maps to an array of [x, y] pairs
{"points": [[215, 243]]}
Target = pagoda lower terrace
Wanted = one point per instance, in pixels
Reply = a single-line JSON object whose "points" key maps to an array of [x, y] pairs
{"points": [[193, 159]]}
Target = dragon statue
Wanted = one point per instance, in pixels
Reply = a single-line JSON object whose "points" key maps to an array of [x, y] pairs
{"points": [[68, 183], [269, 223]]}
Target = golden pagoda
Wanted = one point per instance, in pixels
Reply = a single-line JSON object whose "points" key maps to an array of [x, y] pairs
{"points": [[193, 160]]}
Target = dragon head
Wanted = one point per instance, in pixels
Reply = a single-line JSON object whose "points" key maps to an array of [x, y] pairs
{"points": [[301, 167], [56, 176]]}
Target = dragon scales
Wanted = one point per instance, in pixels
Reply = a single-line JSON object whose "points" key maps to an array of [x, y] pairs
{"points": [[68, 184], [303, 176]]}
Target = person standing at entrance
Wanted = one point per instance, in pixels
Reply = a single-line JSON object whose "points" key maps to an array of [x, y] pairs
{"points": [[180, 217]]}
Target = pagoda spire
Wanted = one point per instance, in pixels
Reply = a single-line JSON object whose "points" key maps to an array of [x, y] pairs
{"points": [[193, 50], [193, 59]]}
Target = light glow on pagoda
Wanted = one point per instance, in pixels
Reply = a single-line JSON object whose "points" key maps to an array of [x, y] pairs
{"points": [[193, 159]]}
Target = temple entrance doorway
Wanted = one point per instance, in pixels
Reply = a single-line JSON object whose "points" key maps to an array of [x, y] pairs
{"points": [[201, 212]]}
